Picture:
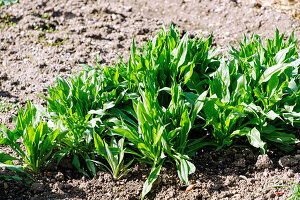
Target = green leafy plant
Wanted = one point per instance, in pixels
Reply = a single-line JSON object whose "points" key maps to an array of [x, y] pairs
{"points": [[174, 96], [81, 106], [7, 106], [253, 92], [37, 141], [6, 161], [114, 155], [37, 137], [8, 2], [166, 71]]}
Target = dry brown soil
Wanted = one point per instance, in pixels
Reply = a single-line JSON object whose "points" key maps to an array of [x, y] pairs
{"points": [[43, 39]]}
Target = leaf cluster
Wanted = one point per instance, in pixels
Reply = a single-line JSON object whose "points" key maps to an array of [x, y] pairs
{"points": [[174, 96]]}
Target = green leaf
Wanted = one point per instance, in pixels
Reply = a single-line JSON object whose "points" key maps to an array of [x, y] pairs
{"points": [[132, 136], [254, 137], [8, 2], [277, 68], [90, 165], [255, 140], [280, 56], [198, 105], [155, 171], [272, 115], [100, 112], [184, 168], [281, 137], [186, 125], [272, 85], [4, 157]]}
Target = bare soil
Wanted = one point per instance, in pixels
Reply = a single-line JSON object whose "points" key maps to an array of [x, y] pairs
{"points": [[43, 39]]}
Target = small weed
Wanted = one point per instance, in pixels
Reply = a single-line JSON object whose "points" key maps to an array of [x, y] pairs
{"points": [[47, 29], [59, 42], [7, 21], [45, 16], [295, 189], [7, 106], [8, 2]]}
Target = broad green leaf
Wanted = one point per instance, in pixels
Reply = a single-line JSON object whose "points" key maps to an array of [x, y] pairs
{"points": [[186, 125], [254, 138], [281, 137], [4, 157], [280, 56], [8, 2], [272, 115], [277, 68], [272, 85], [198, 105], [184, 168], [16, 168], [100, 112], [128, 134], [90, 165], [155, 171]]}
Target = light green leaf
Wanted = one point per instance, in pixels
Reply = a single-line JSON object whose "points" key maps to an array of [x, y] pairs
{"points": [[280, 56], [281, 137], [277, 68], [184, 168], [155, 171], [272, 115], [255, 140]]}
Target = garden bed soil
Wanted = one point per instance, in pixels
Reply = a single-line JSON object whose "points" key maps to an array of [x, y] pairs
{"points": [[40, 40]]}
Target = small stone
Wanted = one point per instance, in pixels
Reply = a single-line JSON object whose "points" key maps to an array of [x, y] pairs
{"points": [[256, 5], [271, 195], [4, 77], [229, 180], [217, 186], [15, 83], [114, 17], [60, 185], [252, 180], [42, 65], [128, 9], [240, 162], [5, 186], [290, 174], [107, 177], [83, 185], [190, 187], [288, 161], [59, 176], [263, 162], [37, 187]]}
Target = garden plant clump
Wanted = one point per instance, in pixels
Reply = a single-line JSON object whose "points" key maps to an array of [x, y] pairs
{"points": [[174, 96], [8, 2]]}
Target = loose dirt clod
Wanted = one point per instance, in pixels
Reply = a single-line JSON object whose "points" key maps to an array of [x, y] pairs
{"points": [[263, 162]]}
